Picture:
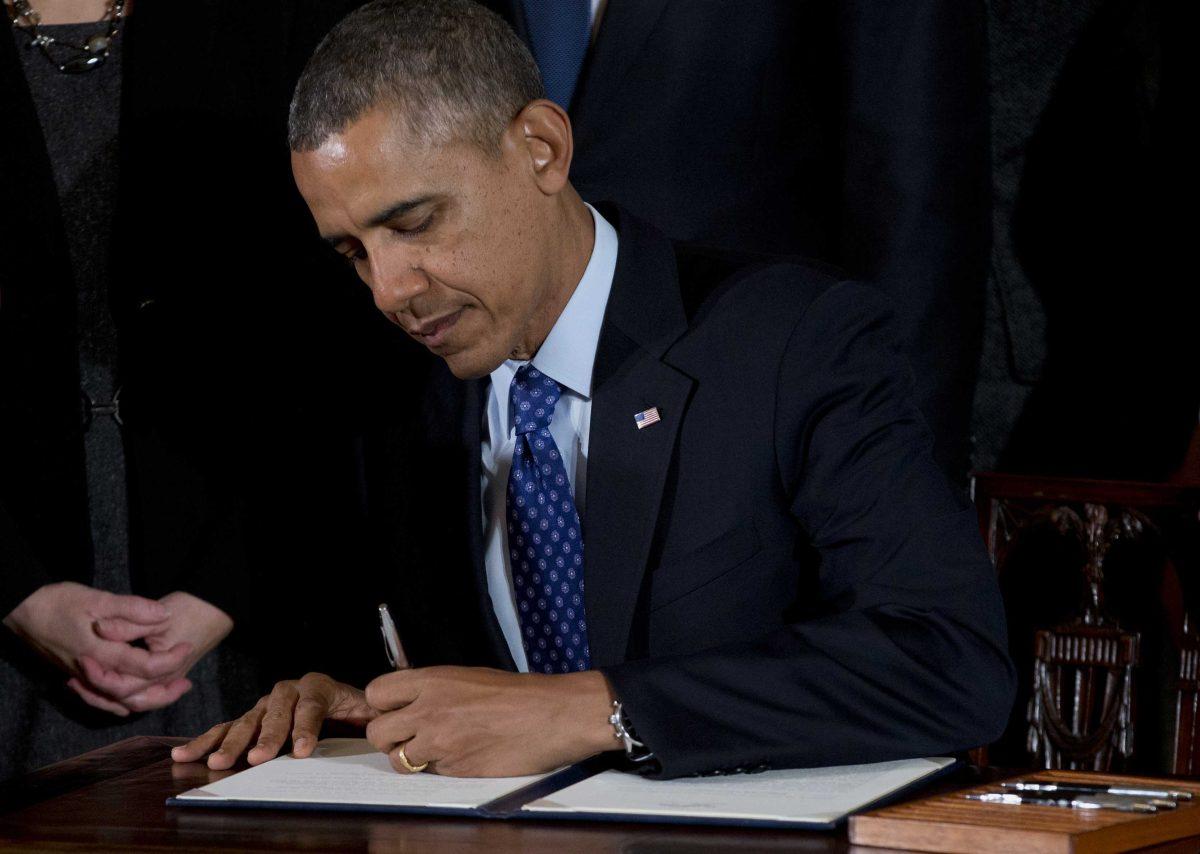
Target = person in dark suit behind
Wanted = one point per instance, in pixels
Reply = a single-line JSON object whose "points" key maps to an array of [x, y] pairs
{"points": [[689, 492], [850, 131]]}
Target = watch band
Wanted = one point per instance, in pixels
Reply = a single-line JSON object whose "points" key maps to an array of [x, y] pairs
{"points": [[635, 750]]}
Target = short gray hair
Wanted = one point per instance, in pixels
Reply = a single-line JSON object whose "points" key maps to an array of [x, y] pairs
{"points": [[453, 69]]}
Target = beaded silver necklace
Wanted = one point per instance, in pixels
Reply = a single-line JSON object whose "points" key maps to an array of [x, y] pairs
{"points": [[67, 57]]}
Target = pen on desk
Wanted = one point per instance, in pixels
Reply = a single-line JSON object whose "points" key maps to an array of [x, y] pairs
{"points": [[1089, 789], [1082, 802], [391, 640]]}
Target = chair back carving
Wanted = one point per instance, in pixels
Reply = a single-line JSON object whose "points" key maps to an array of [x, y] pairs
{"points": [[1081, 711], [1187, 705], [1081, 708], [1098, 670]]}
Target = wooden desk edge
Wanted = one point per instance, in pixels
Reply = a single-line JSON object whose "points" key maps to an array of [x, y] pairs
{"points": [[95, 766]]}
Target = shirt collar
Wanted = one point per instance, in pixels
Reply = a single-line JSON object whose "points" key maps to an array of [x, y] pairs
{"points": [[569, 352]]}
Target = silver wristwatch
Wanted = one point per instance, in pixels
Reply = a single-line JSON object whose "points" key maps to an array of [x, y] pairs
{"points": [[635, 750]]}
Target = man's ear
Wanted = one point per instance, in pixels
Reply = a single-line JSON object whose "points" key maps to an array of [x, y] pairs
{"points": [[542, 133]]}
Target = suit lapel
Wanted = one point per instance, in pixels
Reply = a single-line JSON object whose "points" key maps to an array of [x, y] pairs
{"points": [[627, 467], [474, 406], [624, 29]]}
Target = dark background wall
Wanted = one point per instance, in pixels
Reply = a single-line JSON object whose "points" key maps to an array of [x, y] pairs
{"points": [[1090, 360]]}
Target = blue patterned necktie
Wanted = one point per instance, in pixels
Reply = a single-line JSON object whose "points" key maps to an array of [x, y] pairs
{"points": [[545, 540], [559, 32]]}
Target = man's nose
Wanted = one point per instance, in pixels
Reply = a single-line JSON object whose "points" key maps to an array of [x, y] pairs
{"points": [[396, 281]]}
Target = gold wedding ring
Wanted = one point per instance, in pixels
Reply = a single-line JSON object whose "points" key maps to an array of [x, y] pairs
{"points": [[412, 769]]}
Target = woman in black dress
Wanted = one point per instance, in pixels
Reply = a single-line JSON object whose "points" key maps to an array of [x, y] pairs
{"points": [[173, 348]]}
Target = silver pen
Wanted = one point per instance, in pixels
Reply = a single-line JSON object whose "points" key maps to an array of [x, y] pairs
{"points": [[391, 640], [1080, 802], [1090, 789]]}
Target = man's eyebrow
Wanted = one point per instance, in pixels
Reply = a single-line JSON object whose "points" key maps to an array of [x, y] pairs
{"points": [[386, 215], [398, 209]]}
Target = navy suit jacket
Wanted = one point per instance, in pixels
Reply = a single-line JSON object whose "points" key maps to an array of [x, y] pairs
{"points": [[853, 131], [777, 573]]}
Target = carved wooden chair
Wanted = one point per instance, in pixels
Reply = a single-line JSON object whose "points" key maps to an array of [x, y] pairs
{"points": [[1186, 750], [1081, 711], [1081, 708], [1082, 702]]}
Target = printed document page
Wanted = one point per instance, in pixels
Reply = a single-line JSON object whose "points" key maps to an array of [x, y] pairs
{"points": [[349, 771], [807, 795]]}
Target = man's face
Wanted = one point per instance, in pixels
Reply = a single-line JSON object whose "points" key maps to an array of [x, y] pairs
{"points": [[446, 236]]}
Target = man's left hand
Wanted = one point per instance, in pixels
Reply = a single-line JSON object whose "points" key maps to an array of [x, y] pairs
{"points": [[476, 722]]}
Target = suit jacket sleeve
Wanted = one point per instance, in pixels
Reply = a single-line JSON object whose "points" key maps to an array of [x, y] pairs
{"points": [[915, 217], [21, 572], [904, 653], [217, 569], [215, 573]]}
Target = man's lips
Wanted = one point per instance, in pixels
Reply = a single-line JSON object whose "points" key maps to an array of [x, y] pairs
{"points": [[433, 332]]}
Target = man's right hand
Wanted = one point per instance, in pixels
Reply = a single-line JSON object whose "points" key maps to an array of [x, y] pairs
{"points": [[294, 709], [60, 621]]}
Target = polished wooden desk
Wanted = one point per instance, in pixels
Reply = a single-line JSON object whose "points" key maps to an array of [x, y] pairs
{"points": [[112, 800]]}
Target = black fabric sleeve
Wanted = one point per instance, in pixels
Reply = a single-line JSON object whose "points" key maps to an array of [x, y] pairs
{"points": [[217, 571], [916, 196], [21, 572], [908, 653]]}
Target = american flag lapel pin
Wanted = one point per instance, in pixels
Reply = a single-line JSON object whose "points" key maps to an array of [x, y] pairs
{"points": [[647, 417]]}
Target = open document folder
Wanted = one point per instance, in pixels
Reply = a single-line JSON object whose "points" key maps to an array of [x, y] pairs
{"points": [[349, 774]]}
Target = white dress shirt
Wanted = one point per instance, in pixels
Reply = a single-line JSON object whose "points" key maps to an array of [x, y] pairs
{"points": [[567, 356]]}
